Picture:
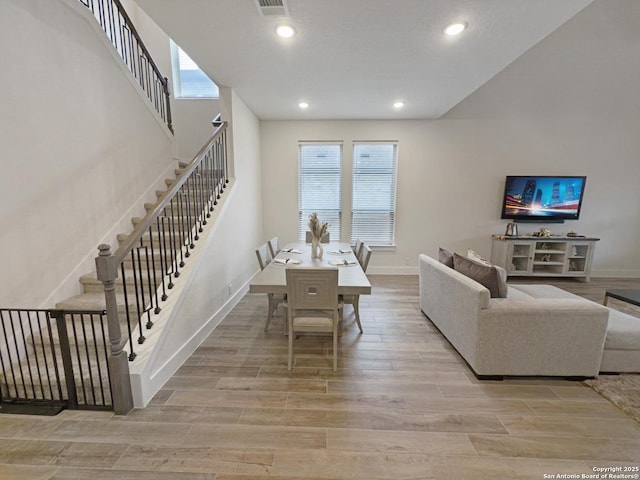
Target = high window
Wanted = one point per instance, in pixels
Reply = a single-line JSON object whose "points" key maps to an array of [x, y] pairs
{"points": [[319, 186], [188, 80], [373, 204]]}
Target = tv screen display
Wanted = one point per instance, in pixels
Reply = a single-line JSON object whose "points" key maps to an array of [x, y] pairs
{"points": [[543, 198]]}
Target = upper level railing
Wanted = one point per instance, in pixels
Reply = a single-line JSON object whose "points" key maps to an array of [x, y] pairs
{"points": [[152, 257], [118, 26]]}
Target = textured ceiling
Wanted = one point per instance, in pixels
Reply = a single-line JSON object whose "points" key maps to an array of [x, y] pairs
{"points": [[351, 59]]}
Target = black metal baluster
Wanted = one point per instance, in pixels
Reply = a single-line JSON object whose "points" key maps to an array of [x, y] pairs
{"points": [[132, 354], [87, 359], [159, 221], [36, 361], [35, 355], [147, 305], [28, 361], [155, 276], [10, 361], [45, 356], [54, 353], [210, 184], [201, 193], [168, 266], [225, 155], [187, 203], [105, 348], [153, 287], [122, 28], [180, 234], [197, 207], [136, 253], [172, 244], [97, 362], [78, 361]]}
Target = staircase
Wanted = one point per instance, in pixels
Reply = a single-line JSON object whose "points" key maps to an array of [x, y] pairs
{"points": [[92, 296], [36, 375], [78, 353], [119, 301]]}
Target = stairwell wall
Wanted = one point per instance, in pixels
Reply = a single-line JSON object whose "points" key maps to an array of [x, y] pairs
{"points": [[225, 261], [80, 148]]}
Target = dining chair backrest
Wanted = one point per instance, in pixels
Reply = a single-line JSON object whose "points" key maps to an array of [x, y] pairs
{"points": [[324, 239], [357, 249], [274, 247], [365, 255], [312, 289], [264, 258]]}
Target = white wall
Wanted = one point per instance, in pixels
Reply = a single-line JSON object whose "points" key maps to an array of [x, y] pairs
{"points": [[569, 106], [79, 149], [192, 124], [229, 257]]}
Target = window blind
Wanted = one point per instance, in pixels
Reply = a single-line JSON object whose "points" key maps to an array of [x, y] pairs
{"points": [[188, 80], [319, 186], [374, 193]]}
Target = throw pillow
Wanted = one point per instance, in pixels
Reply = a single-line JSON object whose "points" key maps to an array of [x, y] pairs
{"points": [[445, 256], [474, 256], [492, 277]]}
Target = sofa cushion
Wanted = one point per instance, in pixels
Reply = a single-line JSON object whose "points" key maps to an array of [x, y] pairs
{"points": [[445, 256], [544, 291], [494, 278], [515, 294], [623, 331]]}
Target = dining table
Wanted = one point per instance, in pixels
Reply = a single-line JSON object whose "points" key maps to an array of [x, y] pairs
{"points": [[352, 279]]}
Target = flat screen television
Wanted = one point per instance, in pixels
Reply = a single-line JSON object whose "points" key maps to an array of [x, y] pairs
{"points": [[542, 198]]}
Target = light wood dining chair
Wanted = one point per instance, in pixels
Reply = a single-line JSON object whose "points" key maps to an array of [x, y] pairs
{"points": [[264, 259], [365, 255], [354, 300], [313, 306], [357, 249], [274, 247], [325, 238]]}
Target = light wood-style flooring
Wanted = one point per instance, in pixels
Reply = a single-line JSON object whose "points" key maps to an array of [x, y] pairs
{"points": [[403, 405]]}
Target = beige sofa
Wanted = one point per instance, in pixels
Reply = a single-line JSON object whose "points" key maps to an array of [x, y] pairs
{"points": [[537, 330]]}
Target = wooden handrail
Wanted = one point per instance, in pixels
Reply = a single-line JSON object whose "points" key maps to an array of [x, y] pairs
{"points": [[165, 199]]}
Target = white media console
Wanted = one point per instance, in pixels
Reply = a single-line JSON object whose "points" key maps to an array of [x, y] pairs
{"points": [[554, 256]]}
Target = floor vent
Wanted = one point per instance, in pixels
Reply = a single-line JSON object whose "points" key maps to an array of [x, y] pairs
{"points": [[270, 8]]}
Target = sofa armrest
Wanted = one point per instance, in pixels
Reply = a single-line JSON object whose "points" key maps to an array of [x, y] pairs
{"points": [[452, 301]]}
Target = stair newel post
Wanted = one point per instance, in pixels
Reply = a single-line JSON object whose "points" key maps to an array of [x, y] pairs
{"points": [[107, 271]]}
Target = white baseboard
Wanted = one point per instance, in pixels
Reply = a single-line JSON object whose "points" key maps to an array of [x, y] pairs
{"points": [[607, 273], [399, 270]]}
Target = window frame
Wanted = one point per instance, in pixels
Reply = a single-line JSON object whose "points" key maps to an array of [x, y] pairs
{"points": [[333, 216], [359, 181], [178, 80]]}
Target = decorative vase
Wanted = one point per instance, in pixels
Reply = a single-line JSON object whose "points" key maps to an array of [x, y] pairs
{"points": [[316, 248]]}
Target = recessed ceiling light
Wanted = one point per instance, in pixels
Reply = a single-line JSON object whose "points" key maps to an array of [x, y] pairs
{"points": [[303, 105], [398, 104], [455, 28], [285, 31]]}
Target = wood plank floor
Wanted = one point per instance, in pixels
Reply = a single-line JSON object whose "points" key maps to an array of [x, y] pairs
{"points": [[403, 405]]}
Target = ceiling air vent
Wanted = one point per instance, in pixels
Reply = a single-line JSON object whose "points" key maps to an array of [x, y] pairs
{"points": [[269, 8]]}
